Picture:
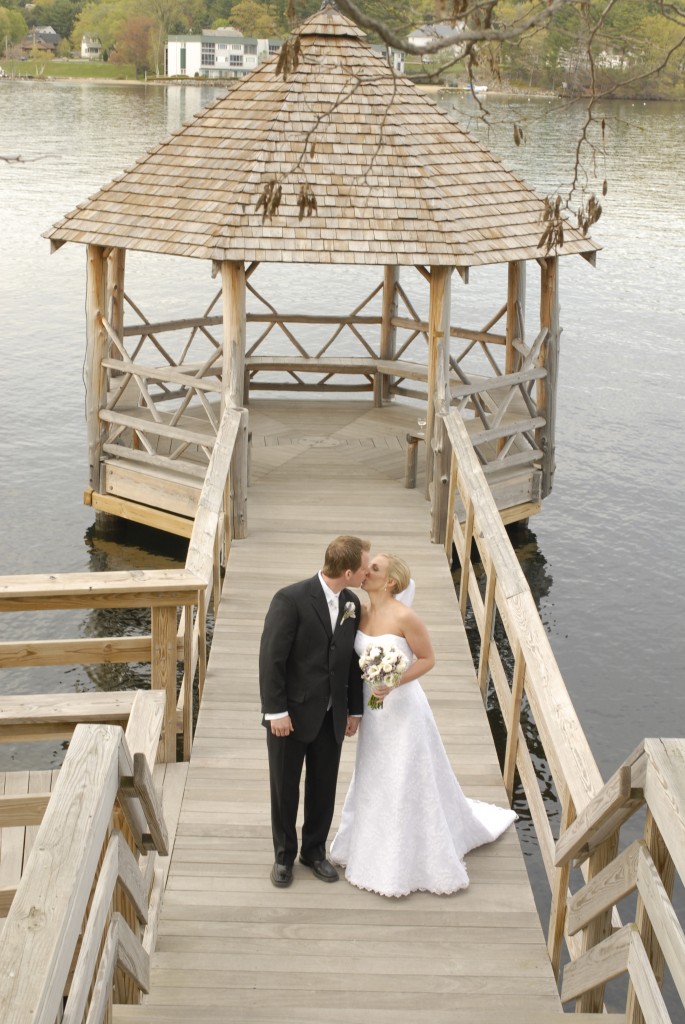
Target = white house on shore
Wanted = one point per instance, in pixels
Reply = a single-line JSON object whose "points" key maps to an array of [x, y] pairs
{"points": [[227, 53], [217, 53], [437, 32], [91, 48]]}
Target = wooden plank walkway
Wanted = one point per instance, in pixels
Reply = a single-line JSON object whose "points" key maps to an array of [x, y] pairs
{"points": [[233, 948]]}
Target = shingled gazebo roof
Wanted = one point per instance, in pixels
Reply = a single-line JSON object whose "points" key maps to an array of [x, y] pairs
{"points": [[395, 179]]}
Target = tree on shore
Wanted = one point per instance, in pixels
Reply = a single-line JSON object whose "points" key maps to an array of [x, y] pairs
{"points": [[134, 43]]}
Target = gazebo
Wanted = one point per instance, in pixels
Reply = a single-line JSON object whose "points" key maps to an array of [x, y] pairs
{"points": [[322, 156]]}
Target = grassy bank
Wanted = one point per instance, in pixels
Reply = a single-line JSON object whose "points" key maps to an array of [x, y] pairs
{"points": [[41, 68]]}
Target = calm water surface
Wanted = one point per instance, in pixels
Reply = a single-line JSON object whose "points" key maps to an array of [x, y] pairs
{"points": [[604, 557]]}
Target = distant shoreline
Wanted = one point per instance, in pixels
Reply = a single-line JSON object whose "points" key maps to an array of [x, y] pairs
{"points": [[429, 88]]}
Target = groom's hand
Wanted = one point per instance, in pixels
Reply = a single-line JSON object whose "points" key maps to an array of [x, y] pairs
{"points": [[282, 726], [352, 724]]}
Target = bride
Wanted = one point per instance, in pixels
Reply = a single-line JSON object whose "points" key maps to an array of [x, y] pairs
{"points": [[406, 824]]}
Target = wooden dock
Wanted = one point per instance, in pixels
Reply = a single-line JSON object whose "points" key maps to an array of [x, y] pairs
{"points": [[230, 946]]}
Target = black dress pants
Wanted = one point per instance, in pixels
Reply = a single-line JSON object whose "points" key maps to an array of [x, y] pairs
{"points": [[321, 759]]}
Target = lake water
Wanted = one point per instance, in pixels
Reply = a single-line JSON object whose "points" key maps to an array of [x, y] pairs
{"points": [[604, 557]]}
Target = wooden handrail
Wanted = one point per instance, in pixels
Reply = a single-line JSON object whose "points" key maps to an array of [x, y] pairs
{"points": [[163, 591], [592, 813], [79, 860], [571, 758]]}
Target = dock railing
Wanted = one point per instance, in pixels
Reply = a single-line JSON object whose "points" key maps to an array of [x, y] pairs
{"points": [[163, 591], [592, 814], [174, 638], [81, 924]]}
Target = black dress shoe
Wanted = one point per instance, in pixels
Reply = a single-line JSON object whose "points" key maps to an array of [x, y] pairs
{"points": [[323, 869], [281, 875]]}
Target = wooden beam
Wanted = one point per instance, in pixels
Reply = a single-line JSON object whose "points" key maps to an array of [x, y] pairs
{"points": [[134, 512], [598, 965], [516, 313], [576, 840], [141, 588], [22, 810], [96, 350], [438, 356], [238, 480], [391, 277], [163, 676], [116, 271], [549, 358], [109, 650], [610, 885], [233, 288]]}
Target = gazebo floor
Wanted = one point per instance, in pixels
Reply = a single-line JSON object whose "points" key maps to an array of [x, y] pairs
{"points": [[291, 424]]}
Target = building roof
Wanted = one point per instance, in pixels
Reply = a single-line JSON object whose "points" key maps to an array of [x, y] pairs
{"points": [[436, 30], [394, 178]]}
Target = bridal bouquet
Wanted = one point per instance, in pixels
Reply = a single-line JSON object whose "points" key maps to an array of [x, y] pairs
{"points": [[382, 665]]}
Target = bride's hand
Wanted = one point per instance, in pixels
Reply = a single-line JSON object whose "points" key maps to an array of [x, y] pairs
{"points": [[381, 691]]}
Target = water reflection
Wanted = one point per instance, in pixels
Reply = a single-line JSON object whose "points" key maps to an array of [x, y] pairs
{"points": [[122, 548]]}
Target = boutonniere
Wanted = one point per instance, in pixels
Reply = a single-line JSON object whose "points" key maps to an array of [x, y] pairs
{"points": [[350, 612]]}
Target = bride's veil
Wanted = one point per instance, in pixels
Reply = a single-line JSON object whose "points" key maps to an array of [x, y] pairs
{"points": [[406, 596]]}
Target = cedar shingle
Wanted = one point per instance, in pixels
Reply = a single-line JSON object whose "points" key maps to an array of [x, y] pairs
{"points": [[396, 179]]}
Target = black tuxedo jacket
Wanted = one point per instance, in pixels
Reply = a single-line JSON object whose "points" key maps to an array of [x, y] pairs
{"points": [[303, 664]]}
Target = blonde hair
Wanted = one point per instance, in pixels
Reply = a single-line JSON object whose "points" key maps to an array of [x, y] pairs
{"points": [[343, 553], [398, 573]]}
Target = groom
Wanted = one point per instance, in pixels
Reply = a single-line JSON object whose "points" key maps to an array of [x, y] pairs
{"points": [[311, 691]]}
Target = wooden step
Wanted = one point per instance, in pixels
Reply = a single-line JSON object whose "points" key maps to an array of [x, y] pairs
{"points": [[342, 1015]]}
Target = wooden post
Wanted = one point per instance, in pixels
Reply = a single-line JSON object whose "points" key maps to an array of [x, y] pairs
{"points": [[233, 289], [486, 637], [466, 559], [411, 460], [238, 478], [201, 644], [391, 279], [557, 913], [188, 683], [451, 499], [663, 863], [549, 358], [516, 311], [600, 928], [513, 724], [116, 269], [438, 356], [96, 351], [442, 461], [163, 672]]}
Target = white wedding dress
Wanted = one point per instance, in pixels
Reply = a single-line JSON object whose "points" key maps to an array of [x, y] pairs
{"points": [[406, 824]]}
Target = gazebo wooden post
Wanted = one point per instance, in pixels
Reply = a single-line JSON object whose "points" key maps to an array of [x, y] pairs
{"points": [[116, 269], [439, 313], [549, 358], [516, 314], [96, 351], [516, 319], [234, 294], [391, 278]]}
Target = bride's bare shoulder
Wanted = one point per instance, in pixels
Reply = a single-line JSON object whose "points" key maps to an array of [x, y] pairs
{"points": [[407, 616]]}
